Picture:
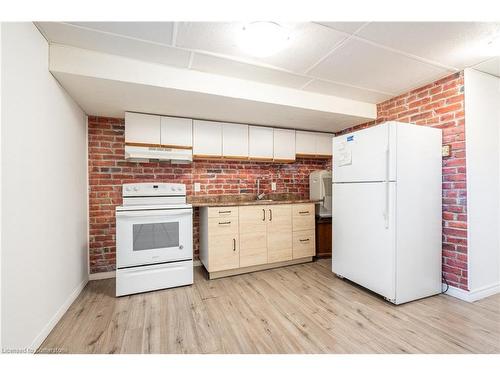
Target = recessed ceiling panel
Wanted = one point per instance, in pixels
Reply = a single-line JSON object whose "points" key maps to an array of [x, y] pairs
{"points": [[364, 65], [308, 42], [347, 27], [453, 44], [158, 32], [491, 66], [236, 69], [330, 88], [97, 41]]}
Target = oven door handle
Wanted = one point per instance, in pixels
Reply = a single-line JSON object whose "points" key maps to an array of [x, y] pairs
{"points": [[151, 213]]}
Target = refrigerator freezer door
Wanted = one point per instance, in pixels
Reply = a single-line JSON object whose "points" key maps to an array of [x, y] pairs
{"points": [[365, 155], [364, 235]]}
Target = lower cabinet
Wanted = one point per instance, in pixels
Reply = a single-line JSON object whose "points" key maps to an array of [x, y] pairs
{"points": [[252, 237], [279, 233]]}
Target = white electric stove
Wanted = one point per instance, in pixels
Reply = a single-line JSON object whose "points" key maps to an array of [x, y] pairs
{"points": [[154, 238]]}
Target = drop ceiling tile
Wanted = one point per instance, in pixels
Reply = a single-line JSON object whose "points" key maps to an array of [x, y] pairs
{"points": [[364, 65], [347, 27], [308, 43], [453, 44], [158, 32], [236, 69], [75, 36], [491, 66], [349, 92]]}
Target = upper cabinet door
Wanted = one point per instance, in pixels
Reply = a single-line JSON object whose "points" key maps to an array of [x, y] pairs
{"points": [[324, 144], [284, 145], [305, 143], [142, 129], [176, 132], [260, 143], [235, 140], [207, 138]]}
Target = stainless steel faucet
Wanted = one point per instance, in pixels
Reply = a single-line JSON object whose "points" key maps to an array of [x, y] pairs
{"points": [[259, 194]]}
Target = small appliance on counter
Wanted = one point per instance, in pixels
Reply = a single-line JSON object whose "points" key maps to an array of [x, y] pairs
{"points": [[320, 188], [154, 238]]}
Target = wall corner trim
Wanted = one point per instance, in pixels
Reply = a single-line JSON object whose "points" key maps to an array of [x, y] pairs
{"points": [[473, 295], [57, 316]]}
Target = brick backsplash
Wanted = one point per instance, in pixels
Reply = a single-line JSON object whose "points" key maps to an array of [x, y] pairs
{"points": [[108, 171], [440, 105]]}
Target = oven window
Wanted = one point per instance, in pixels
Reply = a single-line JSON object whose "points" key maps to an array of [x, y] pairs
{"points": [[155, 236]]}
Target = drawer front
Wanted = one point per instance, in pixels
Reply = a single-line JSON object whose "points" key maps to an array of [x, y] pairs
{"points": [[223, 225], [221, 212], [303, 244], [303, 209], [303, 216]]}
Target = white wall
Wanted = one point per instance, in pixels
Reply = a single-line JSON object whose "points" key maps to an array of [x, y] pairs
{"points": [[482, 119], [44, 190]]}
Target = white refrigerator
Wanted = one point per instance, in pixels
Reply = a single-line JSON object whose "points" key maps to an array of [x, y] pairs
{"points": [[387, 210]]}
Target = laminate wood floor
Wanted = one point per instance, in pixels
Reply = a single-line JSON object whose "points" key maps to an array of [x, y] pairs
{"points": [[296, 309]]}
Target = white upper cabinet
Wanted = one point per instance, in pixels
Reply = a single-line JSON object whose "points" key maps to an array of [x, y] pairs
{"points": [[142, 129], [207, 138], [305, 143], [235, 140], [260, 143], [176, 132], [284, 144], [313, 144], [324, 144]]}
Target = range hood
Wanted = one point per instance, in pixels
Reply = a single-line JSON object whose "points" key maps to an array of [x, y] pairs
{"points": [[142, 153]]}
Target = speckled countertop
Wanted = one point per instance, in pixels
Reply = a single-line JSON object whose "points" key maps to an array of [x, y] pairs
{"points": [[246, 200]]}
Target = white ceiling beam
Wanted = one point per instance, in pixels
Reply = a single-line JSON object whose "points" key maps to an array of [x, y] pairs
{"points": [[86, 63]]}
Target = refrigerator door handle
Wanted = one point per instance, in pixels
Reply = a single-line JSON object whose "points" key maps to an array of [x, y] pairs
{"points": [[386, 209], [387, 166]]}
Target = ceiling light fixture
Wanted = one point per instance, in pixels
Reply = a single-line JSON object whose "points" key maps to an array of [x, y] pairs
{"points": [[263, 38]]}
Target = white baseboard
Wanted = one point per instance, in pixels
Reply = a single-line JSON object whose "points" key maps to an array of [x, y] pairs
{"points": [[112, 274], [57, 316], [473, 295], [102, 275]]}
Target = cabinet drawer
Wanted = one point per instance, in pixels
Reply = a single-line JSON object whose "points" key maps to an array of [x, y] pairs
{"points": [[303, 244], [303, 209], [303, 217], [220, 226], [221, 212]]}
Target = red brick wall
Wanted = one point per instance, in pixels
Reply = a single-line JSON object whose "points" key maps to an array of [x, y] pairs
{"points": [[441, 105], [108, 171]]}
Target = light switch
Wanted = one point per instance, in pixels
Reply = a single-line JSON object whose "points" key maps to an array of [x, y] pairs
{"points": [[273, 186], [197, 187]]}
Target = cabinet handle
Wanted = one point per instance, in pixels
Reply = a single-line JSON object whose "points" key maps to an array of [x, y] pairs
{"points": [[264, 212], [224, 212], [224, 222], [304, 240], [234, 244], [270, 215], [303, 212]]}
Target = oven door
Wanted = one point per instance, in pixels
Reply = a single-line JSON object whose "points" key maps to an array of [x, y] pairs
{"points": [[153, 236]]}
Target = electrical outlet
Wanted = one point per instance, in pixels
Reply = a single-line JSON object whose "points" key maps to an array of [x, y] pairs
{"points": [[273, 186], [446, 151], [197, 187]]}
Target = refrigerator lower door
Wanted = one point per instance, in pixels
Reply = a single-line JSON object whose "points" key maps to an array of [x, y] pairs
{"points": [[364, 235]]}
